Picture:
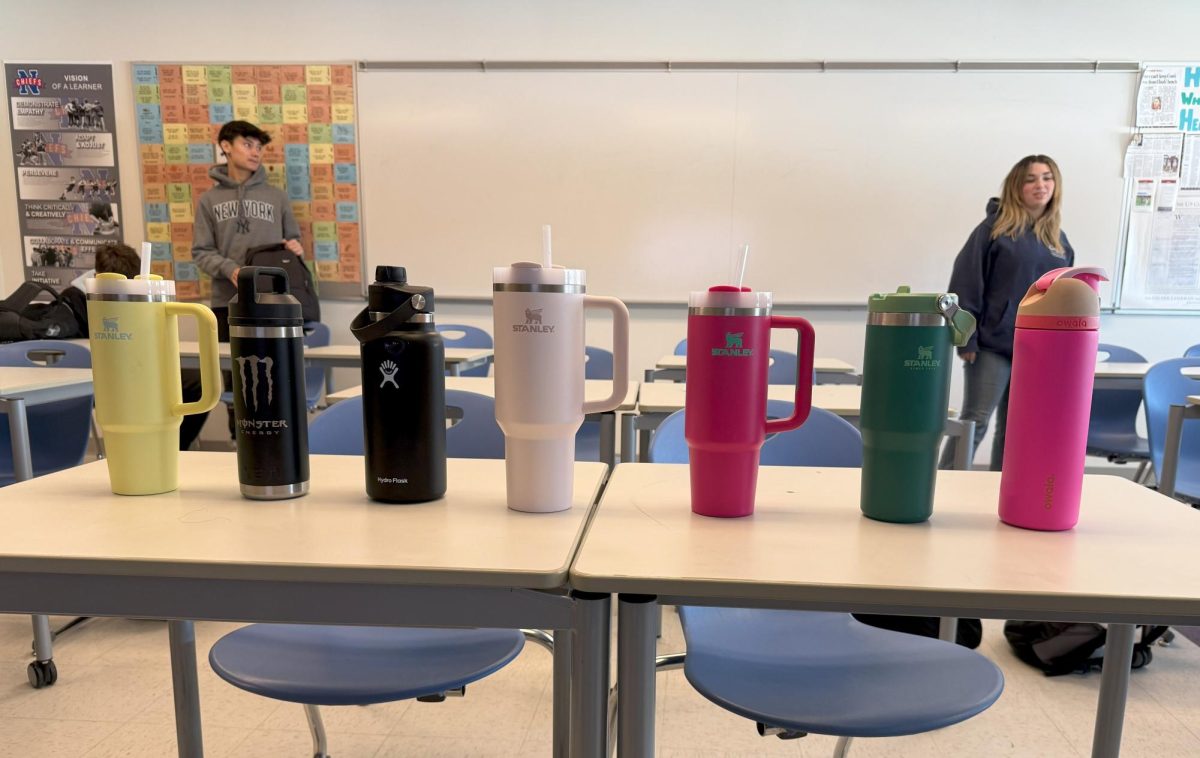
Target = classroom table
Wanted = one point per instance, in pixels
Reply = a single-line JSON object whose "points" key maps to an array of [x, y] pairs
{"points": [[593, 390], [673, 368], [1131, 560], [332, 557], [1113, 375], [1174, 436], [657, 400]]}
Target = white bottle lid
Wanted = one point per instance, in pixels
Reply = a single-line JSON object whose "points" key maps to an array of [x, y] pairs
{"points": [[527, 276], [727, 296], [153, 287]]}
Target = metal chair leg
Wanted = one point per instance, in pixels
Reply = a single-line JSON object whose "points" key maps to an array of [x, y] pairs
{"points": [[317, 728], [842, 749]]}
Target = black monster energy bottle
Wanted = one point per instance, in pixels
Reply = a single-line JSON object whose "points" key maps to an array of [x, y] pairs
{"points": [[266, 342]]}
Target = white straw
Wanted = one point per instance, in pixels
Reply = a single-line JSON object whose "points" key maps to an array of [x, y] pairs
{"points": [[744, 256], [146, 252], [546, 256]]}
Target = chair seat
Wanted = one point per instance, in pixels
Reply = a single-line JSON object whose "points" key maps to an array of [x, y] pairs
{"points": [[826, 673], [340, 665], [1118, 445]]}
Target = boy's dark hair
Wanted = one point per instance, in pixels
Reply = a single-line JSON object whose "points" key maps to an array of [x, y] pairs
{"points": [[242, 129], [118, 259]]}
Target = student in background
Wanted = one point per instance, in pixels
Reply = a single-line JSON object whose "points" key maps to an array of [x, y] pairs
{"points": [[1020, 240]]}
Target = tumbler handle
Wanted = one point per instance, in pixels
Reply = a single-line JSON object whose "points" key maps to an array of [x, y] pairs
{"points": [[620, 316], [804, 373], [210, 360]]}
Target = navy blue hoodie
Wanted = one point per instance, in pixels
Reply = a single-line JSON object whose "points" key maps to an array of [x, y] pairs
{"points": [[992, 275]]}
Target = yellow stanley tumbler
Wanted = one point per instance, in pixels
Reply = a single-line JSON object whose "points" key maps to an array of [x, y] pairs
{"points": [[134, 332]]}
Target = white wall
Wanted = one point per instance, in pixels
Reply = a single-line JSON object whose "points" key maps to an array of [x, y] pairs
{"points": [[305, 30]]}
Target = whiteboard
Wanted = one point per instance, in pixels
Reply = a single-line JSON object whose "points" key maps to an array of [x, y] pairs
{"points": [[843, 183]]}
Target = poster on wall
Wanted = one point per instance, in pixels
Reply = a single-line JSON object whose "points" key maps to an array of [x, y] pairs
{"points": [[65, 161], [1169, 97], [309, 111], [1162, 261]]}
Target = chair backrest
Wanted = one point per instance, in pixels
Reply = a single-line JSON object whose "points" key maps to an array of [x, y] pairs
{"points": [[316, 334], [476, 435], [599, 363], [681, 348], [338, 430], [825, 439], [1118, 354], [1165, 386], [59, 431], [1114, 412], [1192, 352], [783, 367], [462, 335]]}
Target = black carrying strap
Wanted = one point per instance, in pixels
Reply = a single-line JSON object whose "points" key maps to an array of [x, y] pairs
{"points": [[20, 299], [365, 330]]}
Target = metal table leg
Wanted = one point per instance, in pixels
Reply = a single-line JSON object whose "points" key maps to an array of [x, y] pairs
{"points": [[1114, 687], [589, 675], [964, 448], [636, 653], [608, 438], [187, 689], [628, 434], [948, 629], [562, 692]]}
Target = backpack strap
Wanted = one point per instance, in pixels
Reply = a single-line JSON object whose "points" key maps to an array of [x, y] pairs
{"points": [[20, 299]]}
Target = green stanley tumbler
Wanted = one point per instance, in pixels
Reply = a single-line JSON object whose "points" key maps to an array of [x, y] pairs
{"points": [[905, 397]]}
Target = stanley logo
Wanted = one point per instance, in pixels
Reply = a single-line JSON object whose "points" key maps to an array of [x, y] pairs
{"points": [[733, 346], [111, 331], [924, 360], [533, 323]]}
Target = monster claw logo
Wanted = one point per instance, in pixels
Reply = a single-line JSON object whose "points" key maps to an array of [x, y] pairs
{"points": [[533, 315], [28, 82], [388, 369], [253, 362], [733, 346]]}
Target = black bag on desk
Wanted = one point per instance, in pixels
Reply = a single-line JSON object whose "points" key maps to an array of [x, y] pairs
{"points": [[970, 631], [1059, 648], [22, 319], [300, 280]]}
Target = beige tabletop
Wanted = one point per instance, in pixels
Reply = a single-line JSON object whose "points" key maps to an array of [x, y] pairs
{"points": [[1191, 372], [1194, 399], [823, 365], [1116, 369], [668, 397], [191, 349], [593, 389], [1132, 552], [334, 534], [18, 380]]}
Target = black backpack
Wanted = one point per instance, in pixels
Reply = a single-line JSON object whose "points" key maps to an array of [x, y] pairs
{"points": [[22, 319], [300, 279], [1059, 648], [969, 632]]}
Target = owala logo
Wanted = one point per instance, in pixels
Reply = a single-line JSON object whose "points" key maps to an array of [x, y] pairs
{"points": [[28, 82], [388, 370], [533, 323], [1048, 493], [733, 346], [111, 330], [924, 361]]}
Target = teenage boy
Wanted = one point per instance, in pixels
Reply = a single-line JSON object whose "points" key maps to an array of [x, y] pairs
{"points": [[240, 213]]}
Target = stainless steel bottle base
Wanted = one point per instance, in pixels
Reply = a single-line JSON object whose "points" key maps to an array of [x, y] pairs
{"points": [[274, 491]]}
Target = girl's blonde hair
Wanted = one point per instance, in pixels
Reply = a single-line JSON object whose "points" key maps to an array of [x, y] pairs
{"points": [[1014, 218]]}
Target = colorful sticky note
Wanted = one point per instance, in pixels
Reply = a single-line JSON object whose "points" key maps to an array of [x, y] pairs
{"points": [[342, 75], [299, 191], [185, 271], [195, 114], [269, 114], [320, 153], [341, 95], [291, 74], [152, 154], [244, 75], [146, 94], [325, 230], [200, 133], [155, 192], [320, 132], [170, 74], [181, 251], [178, 192], [145, 74], [347, 211], [343, 134], [277, 180], [170, 91], [302, 211], [200, 153], [172, 113], [195, 94], [177, 172], [175, 134], [182, 212], [346, 192], [219, 92], [296, 155], [345, 173], [194, 75], [294, 93], [344, 154], [157, 213], [327, 270], [322, 192], [316, 75], [325, 250], [220, 113], [342, 113], [175, 153], [319, 94], [324, 210], [245, 94], [160, 251], [321, 173], [270, 93], [218, 75], [158, 232], [181, 232], [294, 113], [266, 75]]}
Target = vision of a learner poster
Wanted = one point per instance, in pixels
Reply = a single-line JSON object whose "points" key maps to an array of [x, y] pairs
{"points": [[309, 111]]}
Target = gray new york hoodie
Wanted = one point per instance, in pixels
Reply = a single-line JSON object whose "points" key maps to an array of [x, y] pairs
{"points": [[233, 218]]}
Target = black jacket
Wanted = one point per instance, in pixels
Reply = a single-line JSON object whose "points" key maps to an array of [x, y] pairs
{"points": [[992, 275]]}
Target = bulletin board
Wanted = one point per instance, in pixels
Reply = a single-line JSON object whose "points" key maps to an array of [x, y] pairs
{"points": [[309, 111]]}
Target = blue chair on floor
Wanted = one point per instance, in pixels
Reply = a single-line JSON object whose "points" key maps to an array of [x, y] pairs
{"points": [[462, 335], [681, 348], [1192, 352], [339, 665], [599, 365], [1112, 430], [316, 334], [1164, 386], [338, 430], [59, 431], [783, 367]]}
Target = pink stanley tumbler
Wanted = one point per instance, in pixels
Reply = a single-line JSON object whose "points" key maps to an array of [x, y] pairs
{"points": [[1050, 399], [729, 344]]}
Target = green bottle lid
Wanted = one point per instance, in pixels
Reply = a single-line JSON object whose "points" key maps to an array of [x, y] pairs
{"points": [[944, 304]]}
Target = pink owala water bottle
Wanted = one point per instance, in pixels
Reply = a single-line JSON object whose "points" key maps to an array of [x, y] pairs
{"points": [[1050, 399], [725, 423]]}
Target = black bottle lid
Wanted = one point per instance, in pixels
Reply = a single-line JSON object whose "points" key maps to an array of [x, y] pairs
{"points": [[391, 290], [254, 307]]}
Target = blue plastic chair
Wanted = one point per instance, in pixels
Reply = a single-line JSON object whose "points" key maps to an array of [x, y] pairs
{"points": [[599, 363], [1164, 386], [1192, 352], [471, 336], [826, 673], [681, 348], [338, 430], [58, 432], [783, 367], [1112, 430], [587, 440], [338, 665], [316, 334]]}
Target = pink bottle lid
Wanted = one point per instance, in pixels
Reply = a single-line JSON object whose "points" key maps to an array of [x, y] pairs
{"points": [[727, 300], [1063, 299]]}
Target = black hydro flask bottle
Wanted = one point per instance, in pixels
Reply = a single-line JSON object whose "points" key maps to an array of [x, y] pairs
{"points": [[403, 390], [266, 342]]}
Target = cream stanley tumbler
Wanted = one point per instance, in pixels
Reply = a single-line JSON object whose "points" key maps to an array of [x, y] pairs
{"points": [[134, 333], [539, 333]]}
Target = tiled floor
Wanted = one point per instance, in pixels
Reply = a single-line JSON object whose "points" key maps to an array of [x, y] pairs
{"points": [[113, 699]]}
